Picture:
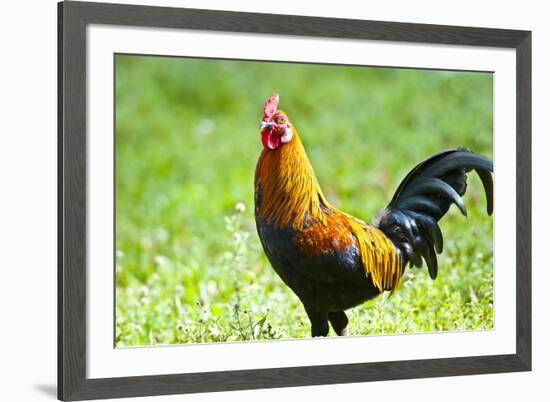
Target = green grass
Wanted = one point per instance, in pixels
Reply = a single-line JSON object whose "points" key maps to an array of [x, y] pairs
{"points": [[190, 267]]}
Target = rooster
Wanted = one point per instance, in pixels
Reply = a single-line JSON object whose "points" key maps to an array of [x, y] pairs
{"points": [[334, 261]]}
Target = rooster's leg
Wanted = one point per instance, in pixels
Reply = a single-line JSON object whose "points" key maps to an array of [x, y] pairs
{"points": [[339, 322], [319, 321]]}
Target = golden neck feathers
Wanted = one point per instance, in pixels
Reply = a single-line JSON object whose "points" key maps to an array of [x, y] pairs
{"points": [[290, 191]]}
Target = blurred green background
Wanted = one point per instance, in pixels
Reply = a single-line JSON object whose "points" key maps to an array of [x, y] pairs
{"points": [[190, 267]]}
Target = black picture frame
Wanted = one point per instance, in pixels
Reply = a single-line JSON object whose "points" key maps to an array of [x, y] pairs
{"points": [[73, 18]]}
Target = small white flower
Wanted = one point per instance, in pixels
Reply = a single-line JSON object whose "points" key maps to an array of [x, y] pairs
{"points": [[161, 260], [211, 287], [205, 127], [161, 234], [240, 207]]}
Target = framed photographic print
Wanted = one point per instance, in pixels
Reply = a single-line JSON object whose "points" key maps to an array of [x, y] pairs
{"points": [[256, 201]]}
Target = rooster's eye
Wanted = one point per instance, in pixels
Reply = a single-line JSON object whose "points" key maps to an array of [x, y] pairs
{"points": [[281, 119]]}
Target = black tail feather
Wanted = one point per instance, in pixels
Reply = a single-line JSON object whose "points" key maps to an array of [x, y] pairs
{"points": [[487, 181], [424, 197]]}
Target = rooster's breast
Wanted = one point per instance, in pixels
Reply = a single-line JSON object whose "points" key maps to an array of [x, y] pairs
{"points": [[320, 262]]}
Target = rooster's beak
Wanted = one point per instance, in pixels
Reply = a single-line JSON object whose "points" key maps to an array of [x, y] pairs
{"points": [[266, 124]]}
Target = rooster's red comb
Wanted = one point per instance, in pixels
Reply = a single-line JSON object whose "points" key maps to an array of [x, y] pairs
{"points": [[271, 106]]}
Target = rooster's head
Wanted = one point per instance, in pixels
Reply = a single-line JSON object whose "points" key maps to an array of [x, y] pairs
{"points": [[275, 126]]}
